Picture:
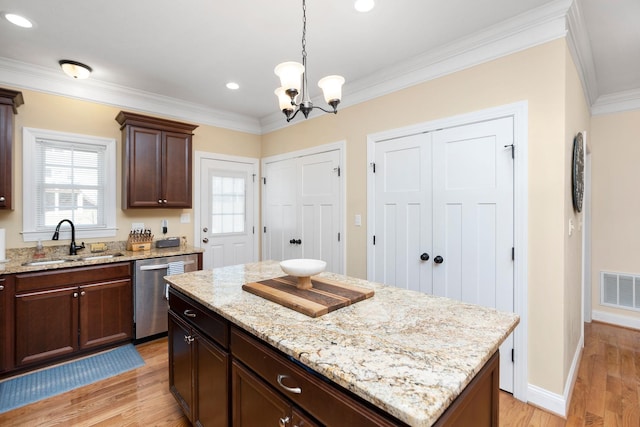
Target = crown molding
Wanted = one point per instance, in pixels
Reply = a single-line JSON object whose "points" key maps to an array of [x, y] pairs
{"points": [[42, 79], [618, 102], [533, 28], [580, 48]]}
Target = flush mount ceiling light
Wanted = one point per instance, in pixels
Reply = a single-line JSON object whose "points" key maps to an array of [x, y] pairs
{"points": [[364, 5], [293, 81], [18, 20], [233, 86], [77, 70]]}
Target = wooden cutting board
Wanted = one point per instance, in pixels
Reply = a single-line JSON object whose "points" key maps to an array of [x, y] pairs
{"points": [[325, 296]]}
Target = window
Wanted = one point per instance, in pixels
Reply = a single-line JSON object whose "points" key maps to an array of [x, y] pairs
{"points": [[68, 176], [227, 204]]}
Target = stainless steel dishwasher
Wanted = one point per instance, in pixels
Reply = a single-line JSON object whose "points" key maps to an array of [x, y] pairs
{"points": [[151, 305]]}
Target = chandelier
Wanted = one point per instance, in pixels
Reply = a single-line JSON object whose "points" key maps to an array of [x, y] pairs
{"points": [[293, 82]]}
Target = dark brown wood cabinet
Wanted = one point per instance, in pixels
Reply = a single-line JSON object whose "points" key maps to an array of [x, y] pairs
{"points": [[10, 100], [198, 362], [6, 314], [59, 313], [157, 162]]}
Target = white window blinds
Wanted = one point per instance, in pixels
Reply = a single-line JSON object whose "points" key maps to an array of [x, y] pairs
{"points": [[70, 183]]}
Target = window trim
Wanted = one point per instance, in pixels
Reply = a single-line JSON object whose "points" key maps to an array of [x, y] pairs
{"points": [[29, 232]]}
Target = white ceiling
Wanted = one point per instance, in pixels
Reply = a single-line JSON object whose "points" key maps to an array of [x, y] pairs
{"points": [[175, 58]]}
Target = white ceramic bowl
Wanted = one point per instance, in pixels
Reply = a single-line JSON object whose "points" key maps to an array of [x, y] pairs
{"points": [[303, 267]]}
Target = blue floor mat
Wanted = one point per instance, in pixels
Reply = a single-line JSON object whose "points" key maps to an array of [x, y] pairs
{"points": [[29, 388]]}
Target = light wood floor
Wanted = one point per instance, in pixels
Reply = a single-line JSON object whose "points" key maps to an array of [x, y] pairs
{"points": [[606, 392]]}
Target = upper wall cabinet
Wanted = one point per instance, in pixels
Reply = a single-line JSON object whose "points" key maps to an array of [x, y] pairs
{"points": [[156, 161], [10, 100]]}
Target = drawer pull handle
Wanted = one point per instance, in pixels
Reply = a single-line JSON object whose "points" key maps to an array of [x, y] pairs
{"points": [[189, 313], [283, 422], [296, 390]]}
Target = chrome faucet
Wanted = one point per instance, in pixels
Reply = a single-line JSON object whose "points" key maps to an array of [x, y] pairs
{"points": [[73, 248]]}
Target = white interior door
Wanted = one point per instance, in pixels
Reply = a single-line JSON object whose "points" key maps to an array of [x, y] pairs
{"points": [[303, 209], [403, 213], [227, 212], [473, 220], [448, 194], [280, 210], [319, 208]]}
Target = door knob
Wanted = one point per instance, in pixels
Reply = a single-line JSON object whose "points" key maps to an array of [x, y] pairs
{"points": [[298, 242], [424, 257], [438, 259], [205, 240], [204, 230], [292, 241]]}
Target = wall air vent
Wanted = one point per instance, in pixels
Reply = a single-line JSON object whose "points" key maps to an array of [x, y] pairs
{"points": [[620, 290]]}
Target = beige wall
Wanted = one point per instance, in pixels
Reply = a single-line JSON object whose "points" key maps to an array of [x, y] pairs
{"points": [[536, 75], [44, 111], [577, 119], [615, 156]]}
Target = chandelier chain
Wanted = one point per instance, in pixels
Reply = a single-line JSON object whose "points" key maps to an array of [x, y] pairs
{"points": [[305, 94]]}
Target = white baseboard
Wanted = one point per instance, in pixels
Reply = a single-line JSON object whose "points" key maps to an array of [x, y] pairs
{"points": [[615, 319], [552, 402]]}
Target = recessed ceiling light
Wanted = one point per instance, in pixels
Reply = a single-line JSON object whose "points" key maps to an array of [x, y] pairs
{"points": [[364, 5], [233, 86], [18, 20]]}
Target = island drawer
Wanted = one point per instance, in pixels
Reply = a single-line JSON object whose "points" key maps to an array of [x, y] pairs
{"points": [[308, 390], [213, 326], [40, 280]]}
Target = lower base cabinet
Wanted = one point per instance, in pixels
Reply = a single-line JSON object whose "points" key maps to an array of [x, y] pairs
{"points": [[223, 376], [198, 366], [59, 313]]}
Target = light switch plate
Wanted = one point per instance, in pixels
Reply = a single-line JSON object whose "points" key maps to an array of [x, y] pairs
{"points": [[185, 218]]}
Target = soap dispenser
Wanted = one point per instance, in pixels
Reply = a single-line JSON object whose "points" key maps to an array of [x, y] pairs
{"points": [[39, 253]]}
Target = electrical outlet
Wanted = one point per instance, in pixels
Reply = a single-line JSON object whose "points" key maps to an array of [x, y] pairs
{"points": [[185, 218], [137, 226]]}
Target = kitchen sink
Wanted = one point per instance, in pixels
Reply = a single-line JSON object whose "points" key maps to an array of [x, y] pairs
{"points": [[106, 256], [47, 262]]}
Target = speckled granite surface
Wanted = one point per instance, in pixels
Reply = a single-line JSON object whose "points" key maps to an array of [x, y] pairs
{"points": [[18, 257], [408, 353]]}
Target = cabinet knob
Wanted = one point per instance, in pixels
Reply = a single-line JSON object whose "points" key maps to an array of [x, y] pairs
{"points": [[83, 293], [160, 201], [2, 199], [164, 201], [284, 421], [75, 295], [1, 287]]}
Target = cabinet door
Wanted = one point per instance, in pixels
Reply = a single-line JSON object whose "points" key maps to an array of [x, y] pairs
{"points": [[143, 163], [46, 324], [254, 403], [6, 323], [211, 384], [181, 364], [300, 420], [6, 145], [176, 180], [106, 313]]}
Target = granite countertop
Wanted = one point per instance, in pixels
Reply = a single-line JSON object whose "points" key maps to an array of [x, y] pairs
{"points": [[409, 353], [18, 257]]}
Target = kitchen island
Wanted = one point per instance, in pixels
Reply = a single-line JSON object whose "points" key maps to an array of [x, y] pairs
{"points": [[408, 354]]}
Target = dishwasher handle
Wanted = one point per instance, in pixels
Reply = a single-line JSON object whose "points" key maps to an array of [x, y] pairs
{"points": [[160, 266]]}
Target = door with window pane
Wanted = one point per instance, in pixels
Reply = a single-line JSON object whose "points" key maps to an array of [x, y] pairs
{"points": [[227, 219]]}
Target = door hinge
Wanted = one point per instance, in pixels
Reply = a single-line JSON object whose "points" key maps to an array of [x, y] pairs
{"points": [[513, 355], [264, 180], [512, 149], [253, 229], [373, 166], [338, 237], [337, 170], [253, 178], [265, 228], [513, 254], [374, 239]]}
